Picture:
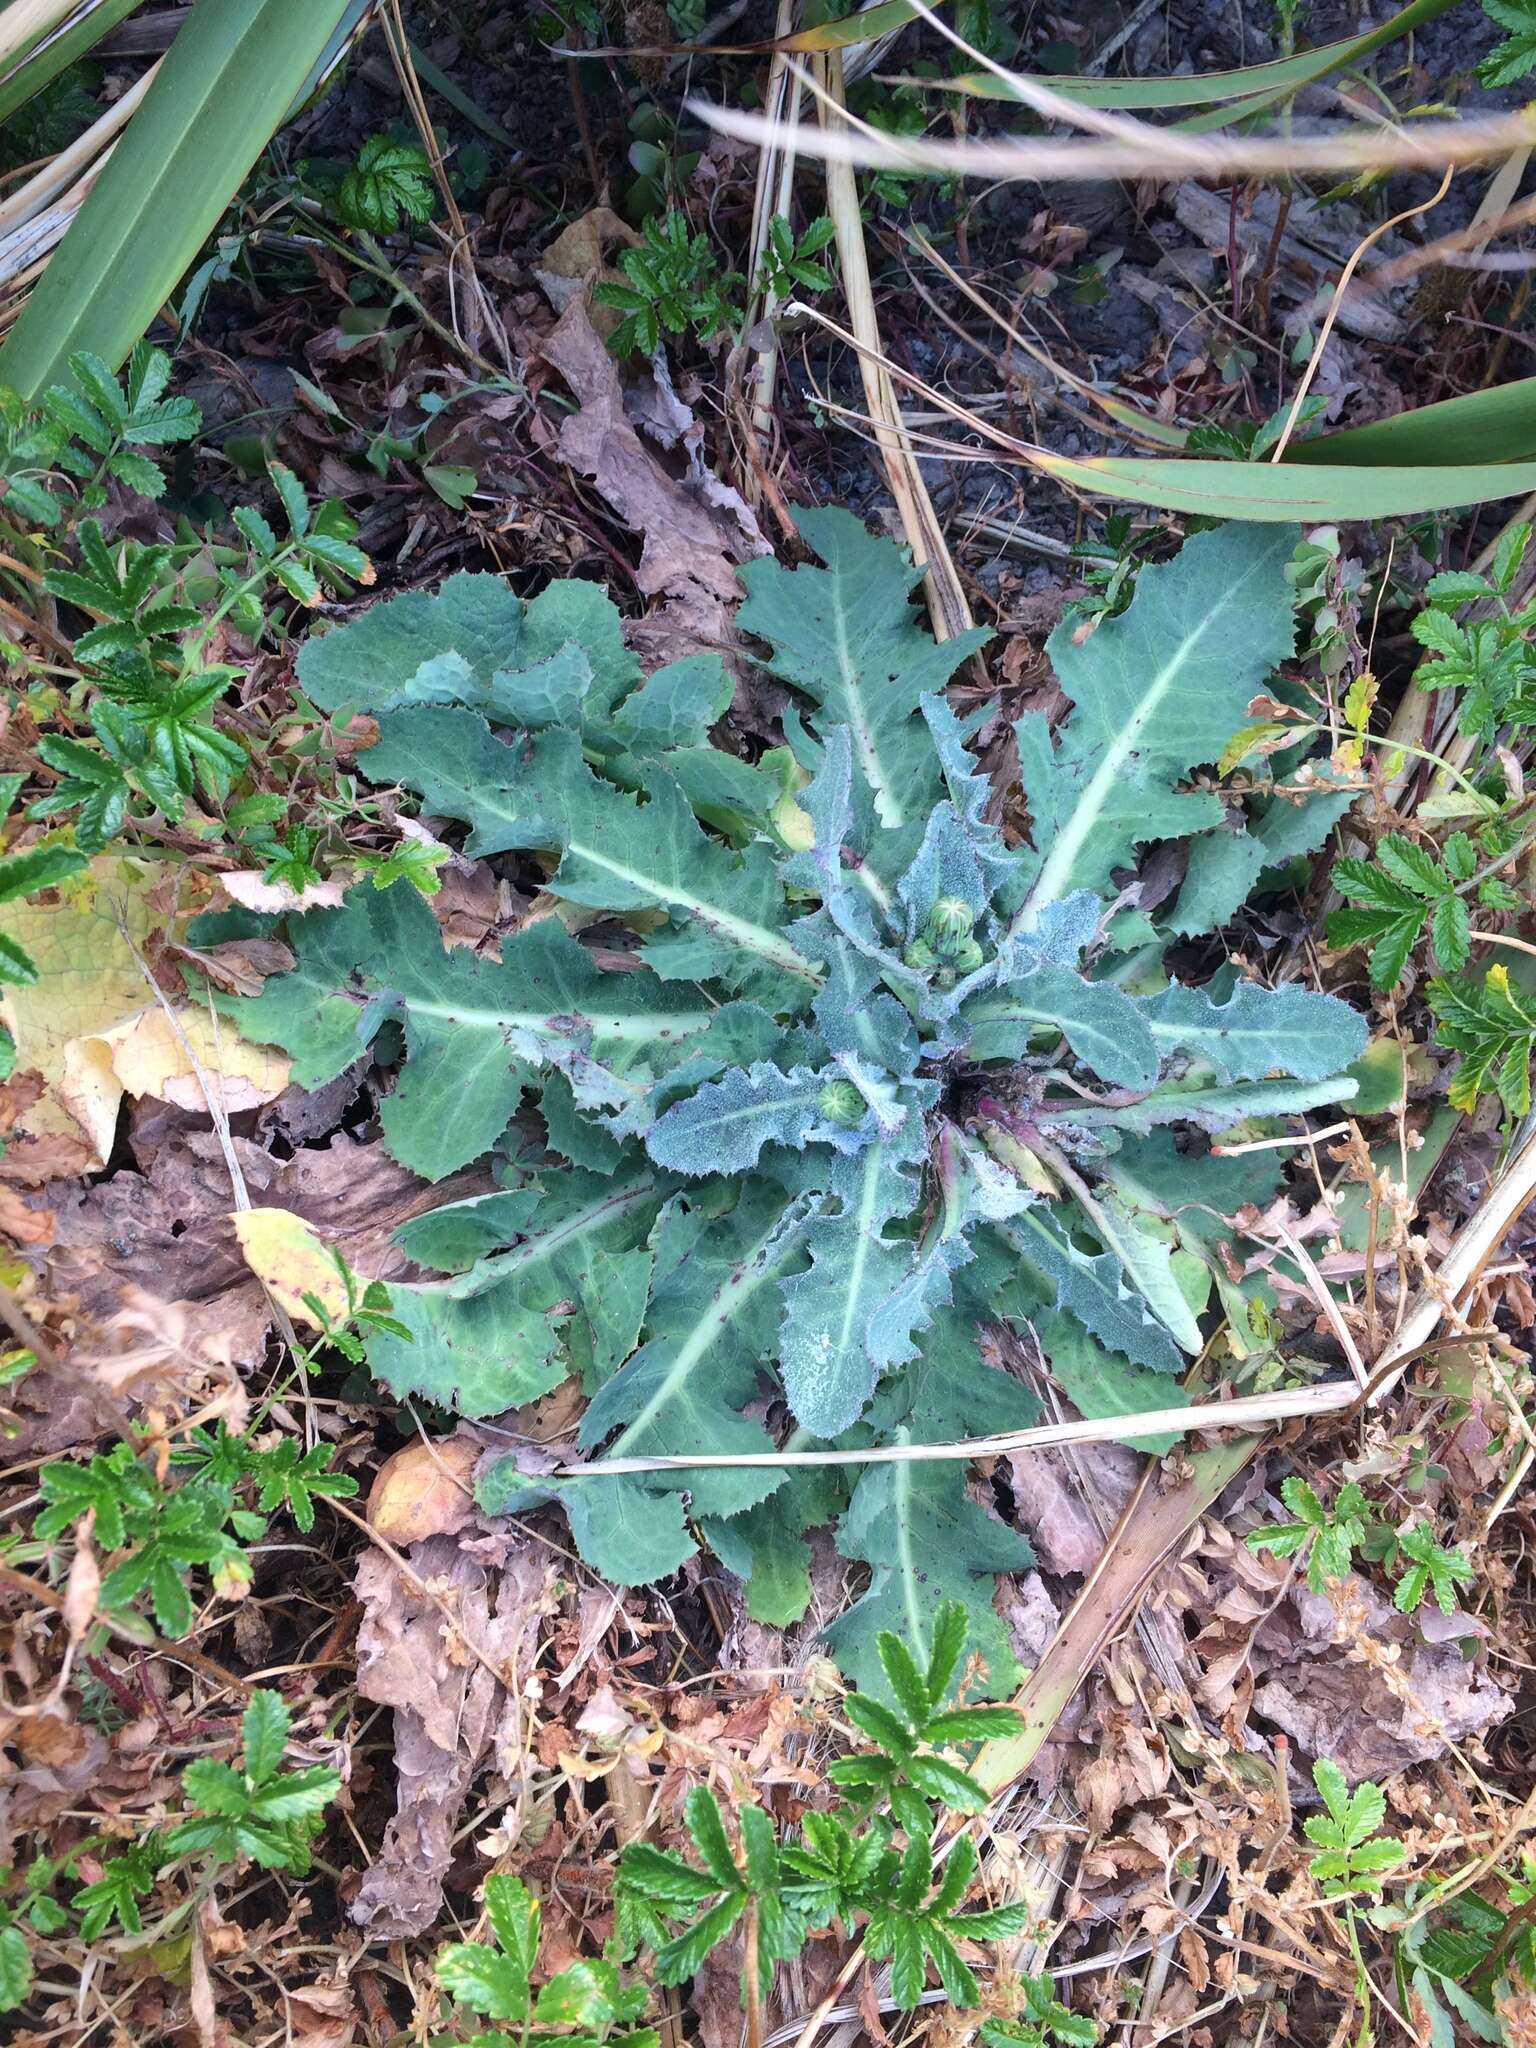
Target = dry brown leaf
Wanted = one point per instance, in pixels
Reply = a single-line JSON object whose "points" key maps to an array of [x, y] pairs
{"points": [[450, 1712], [1345, 1676], [239, 965], [688, 544], [425, 1490], [576, 260]]}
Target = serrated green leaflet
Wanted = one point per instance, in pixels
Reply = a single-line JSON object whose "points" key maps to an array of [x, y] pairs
{"points": [[477, 1031], [1153, 691], [763, 1157]]}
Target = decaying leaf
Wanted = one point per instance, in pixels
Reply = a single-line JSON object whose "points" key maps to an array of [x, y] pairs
{"points": [[285, 1254], [451, 1712], [89, 981], [688, 545], [425, 1490], [154, 1054]]}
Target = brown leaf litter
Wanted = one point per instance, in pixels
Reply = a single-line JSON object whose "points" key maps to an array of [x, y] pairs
{"points": [[693, 529], [450, 1649]]}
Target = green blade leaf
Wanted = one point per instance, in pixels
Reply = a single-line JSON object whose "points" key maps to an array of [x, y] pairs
{"points": [[264, 1732], [1156, 692], [220, 93]]}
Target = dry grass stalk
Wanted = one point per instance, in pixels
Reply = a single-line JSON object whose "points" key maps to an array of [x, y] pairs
{"points": [[950, 613], [1156, 153]]}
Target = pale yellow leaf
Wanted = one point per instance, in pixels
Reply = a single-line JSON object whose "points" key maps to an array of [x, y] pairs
{"points": [[88, 981], [282, 1250], [152, 1056]]}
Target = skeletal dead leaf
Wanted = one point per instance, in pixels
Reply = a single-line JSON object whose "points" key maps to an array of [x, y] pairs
{"points": [[688, 544], [451, 1713], [1345, 1677], [424, 1490], [252, 893], [285, 1254]]}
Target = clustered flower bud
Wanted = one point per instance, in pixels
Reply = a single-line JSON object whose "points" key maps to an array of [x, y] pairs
{"points": [[946, 948]]}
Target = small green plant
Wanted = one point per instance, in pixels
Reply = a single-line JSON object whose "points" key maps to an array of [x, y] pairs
{"points": [[15, 1961], [1395, 894], [1515, 57], [789, 261], [1493, 1026], [872, 1079], [676, 286], [1041, 2021], [1109, 566], [843, 1865], [366, 1312], [90, 431], [164, 1532], [156, 743], [23, 874], [1327, 1536], [102, 425], [259, 1812], [904, 1769], [389, 186], [1406, 886], [1353, 1857], [587, 2005], [256, 1812], [1489, 661], [1425, 1565], [1462, 1960], [1240, 440]]}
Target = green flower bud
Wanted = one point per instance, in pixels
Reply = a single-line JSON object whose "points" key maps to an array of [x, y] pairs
{"points": [[921, 956], [841, 1103], [949, 925]]}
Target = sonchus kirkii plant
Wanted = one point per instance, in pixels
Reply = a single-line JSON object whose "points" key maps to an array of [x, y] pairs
{"points": [[874, 1074]]}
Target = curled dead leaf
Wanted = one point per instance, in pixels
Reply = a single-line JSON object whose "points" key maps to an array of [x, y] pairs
{"points": [[424, 1490]]}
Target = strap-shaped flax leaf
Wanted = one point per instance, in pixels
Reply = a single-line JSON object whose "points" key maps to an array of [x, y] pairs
{"points": [[1253, 86], [219, 96]]}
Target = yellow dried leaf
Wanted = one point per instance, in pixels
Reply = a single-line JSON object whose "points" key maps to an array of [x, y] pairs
{"points": [[152, 1056], [424, 1490], [88, 981], [282, 1250]]}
